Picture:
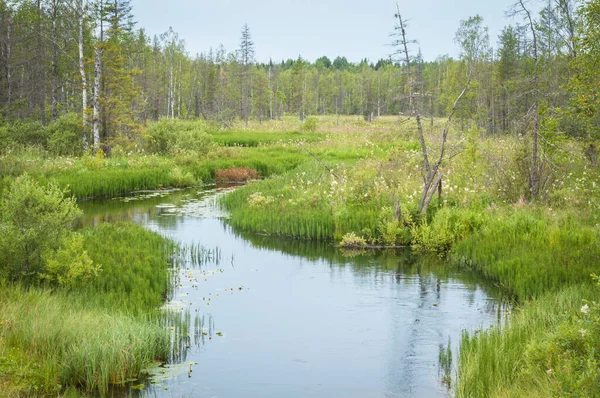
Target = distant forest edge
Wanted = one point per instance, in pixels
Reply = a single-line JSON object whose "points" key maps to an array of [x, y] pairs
{"points": [[87, 58]]}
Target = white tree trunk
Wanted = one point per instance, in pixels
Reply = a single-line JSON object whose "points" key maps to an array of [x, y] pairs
{"points": [[96, 99], [84, 92]]}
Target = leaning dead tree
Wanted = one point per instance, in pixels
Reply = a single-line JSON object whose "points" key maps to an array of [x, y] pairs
{"points": [[433, 176]]}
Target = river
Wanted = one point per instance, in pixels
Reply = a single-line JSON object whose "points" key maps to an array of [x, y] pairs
{"points": [[272, 317]]}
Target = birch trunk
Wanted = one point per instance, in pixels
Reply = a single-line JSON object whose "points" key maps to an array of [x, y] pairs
{"points": [[96, 99], [84, 91]]}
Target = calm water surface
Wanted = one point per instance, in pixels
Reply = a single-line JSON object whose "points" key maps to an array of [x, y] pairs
{"points": [[282, 318]]}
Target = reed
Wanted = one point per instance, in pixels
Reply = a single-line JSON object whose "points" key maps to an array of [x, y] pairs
{"points": [[512, 359], [61, 340]]}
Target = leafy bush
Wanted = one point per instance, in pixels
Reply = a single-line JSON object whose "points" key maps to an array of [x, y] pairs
{"points": [[22, 133], [65, 136], [180, 179], [353, 240], [34, 220], [447, 227], [94, 161], [310, 125], [70, 265], [173, 137]]}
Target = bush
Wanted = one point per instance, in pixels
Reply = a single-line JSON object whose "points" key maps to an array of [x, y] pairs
{"points": [[65, 136], [352, 240], [447, 227], [70, 265], [34, 220], [22, 133], [310, 125], [236, 174], [173, 137], [180, 179]]}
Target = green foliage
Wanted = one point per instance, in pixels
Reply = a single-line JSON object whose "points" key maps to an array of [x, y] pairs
{"points": [[22, 133], [310, 125], [353, 240], [448, 227], [180, 179], [94, 161], [65, 136], [70, 264], [172, 137], [34, 220], [134, 265], [512, 360]]}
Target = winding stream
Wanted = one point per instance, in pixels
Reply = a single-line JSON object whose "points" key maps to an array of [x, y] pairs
{"points": [[282, 318]]}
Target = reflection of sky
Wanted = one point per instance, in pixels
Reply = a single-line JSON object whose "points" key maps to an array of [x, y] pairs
{"points": [[322, 327]]}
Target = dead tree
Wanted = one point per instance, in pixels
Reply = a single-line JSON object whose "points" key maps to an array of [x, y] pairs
{"points": [[433, 178]]}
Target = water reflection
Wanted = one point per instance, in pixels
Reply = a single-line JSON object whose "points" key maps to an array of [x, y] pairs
{"points": [[270, 317]]}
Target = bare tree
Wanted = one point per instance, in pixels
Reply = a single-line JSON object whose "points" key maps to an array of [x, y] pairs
{"points": [[432, 181]]}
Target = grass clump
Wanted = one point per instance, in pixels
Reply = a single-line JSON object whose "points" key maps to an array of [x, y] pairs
{"points": [[52, 340], [548, 348], [530, 252]]}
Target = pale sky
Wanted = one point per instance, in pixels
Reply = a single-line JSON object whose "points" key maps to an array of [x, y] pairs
{"points": [[283, 29]]}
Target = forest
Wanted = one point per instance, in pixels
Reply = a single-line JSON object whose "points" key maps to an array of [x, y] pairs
{"points": [[487, 161]]}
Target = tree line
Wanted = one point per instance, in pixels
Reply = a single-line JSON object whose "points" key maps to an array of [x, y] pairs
{"points": [[87, 57]]}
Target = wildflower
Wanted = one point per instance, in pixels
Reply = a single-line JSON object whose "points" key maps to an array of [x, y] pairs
{"points": [[583, 332], [549, 371], [585, 309]]}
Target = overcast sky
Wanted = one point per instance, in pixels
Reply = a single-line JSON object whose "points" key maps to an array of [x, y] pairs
{"points": [[284, 29]]}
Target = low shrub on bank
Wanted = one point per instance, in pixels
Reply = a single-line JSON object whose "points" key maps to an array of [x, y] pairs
{"points": [[236, 174]]}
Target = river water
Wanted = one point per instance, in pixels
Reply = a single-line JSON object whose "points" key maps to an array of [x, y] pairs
{"points": [[272, 317]]}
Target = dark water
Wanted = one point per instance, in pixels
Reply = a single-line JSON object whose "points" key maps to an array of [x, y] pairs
{"points": [[298, 319]]}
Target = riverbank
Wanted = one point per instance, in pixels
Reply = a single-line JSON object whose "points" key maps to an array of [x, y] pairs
{"points": [[67, 341]]}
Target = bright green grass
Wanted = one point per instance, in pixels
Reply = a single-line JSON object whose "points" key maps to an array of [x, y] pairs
{"points": [[511, 360], [247, 138], [50, 340], [135, 264], [90, 337], [528, 252]]}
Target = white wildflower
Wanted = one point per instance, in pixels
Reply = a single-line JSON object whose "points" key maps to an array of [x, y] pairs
{"points": [[585, 309]]}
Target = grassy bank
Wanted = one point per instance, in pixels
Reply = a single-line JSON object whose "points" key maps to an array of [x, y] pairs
{"points": [[87, 339]]}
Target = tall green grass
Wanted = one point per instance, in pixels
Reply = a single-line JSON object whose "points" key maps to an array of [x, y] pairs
{"points": [[91, 337], [135, 264], [63, 341], [511, 359], [528, 252]]}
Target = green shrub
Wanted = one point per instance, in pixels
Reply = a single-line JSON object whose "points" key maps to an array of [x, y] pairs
{"points": [[310, 125], [353, 240], [173, 137], [22, 133], [70, 265], [180, 179], [65, 136], [449, 225], [34, 220]]}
